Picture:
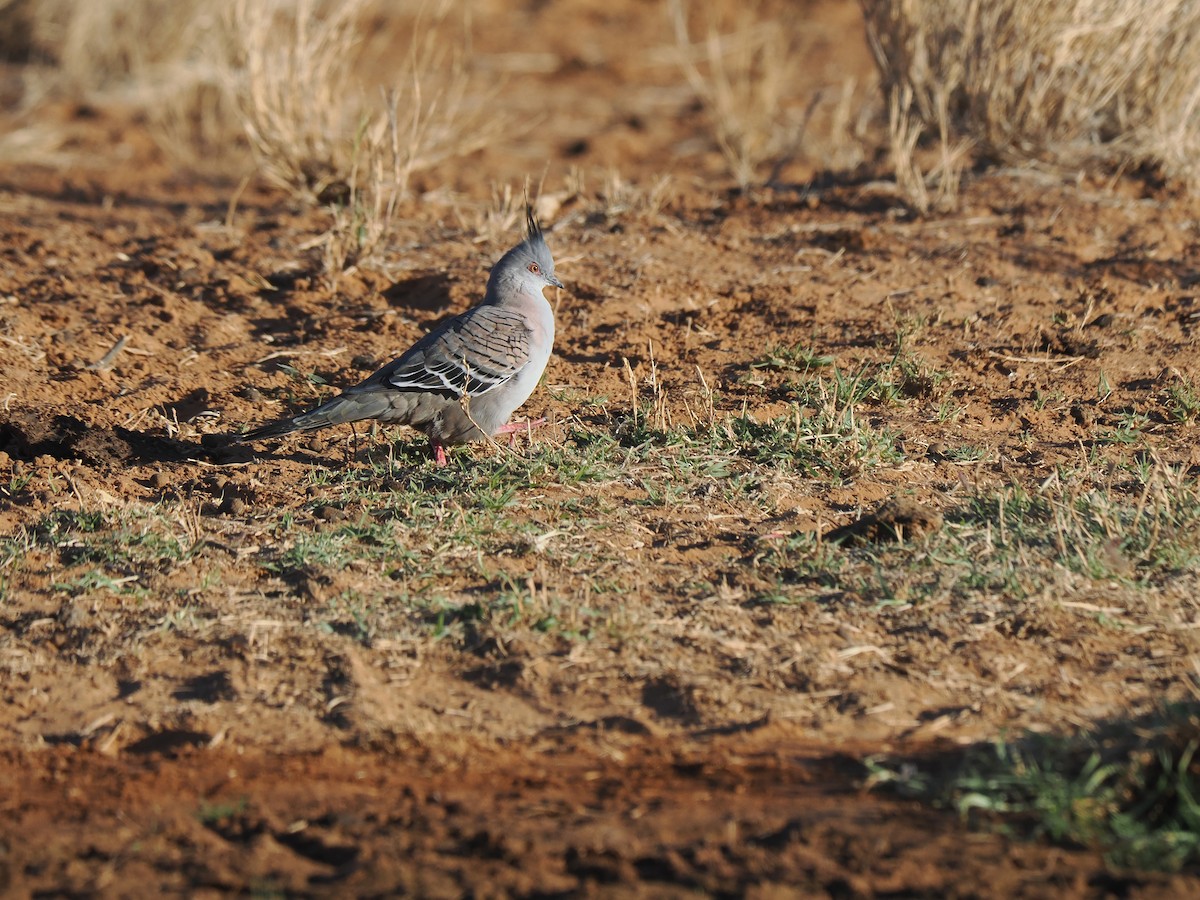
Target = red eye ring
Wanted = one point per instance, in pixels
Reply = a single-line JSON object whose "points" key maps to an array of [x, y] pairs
{"points": [[535, 268]]}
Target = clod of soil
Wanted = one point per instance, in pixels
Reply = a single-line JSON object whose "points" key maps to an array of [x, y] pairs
{"points": [[30, 434], [897, 519]]}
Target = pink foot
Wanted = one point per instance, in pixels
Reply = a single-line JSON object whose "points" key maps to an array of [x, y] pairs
{"points": [[517, 427], [512, 429], [439, 453]]}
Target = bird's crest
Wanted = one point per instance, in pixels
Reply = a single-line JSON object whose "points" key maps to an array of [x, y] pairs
{"points": [[533, 232], [535, 240]]}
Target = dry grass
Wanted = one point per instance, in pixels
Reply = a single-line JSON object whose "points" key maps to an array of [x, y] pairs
{"points": [[284, 77], [168, 60], [293, 65], [747, 67], [1070, 83], [99, 45], [318, 132], [925, 186]]}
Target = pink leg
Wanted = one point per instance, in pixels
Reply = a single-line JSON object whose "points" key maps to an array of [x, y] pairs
{"points": [[517, 427], [512, 429], [439, 453]]}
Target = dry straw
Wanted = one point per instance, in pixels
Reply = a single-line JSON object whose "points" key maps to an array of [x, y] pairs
{"points": [[165, 58], [287, 78], [1067, 82], [292, 75], [315, 130], [748, 65]]}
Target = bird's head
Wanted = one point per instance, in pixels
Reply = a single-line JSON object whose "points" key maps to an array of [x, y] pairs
{"points": [[527, 267]]}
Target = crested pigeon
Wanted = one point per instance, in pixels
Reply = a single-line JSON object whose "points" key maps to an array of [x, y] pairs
{"points": [[461, 381]]}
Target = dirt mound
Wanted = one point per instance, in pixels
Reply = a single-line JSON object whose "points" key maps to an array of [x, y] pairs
{"points": [[29, 435], [896, 520]]}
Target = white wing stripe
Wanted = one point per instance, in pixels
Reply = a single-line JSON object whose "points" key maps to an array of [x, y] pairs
{"points": [[451, 376], [474, 354]]}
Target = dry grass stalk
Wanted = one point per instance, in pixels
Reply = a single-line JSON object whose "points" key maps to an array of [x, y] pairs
{"points": [[105, 43], [744, 69], [500, 217], [167, 59], [619, 197], [1115, 80], [293, 65], [904, 131], [314, 135], [935, 188]]}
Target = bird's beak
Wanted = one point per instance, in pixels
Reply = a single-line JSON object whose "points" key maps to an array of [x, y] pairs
{"points": [[553, 279]]}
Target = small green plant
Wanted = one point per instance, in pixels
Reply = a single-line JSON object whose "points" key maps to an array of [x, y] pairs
{"points": [[1130, 790], [97, 580], [312, 378], [185, 620], [351, 615], [1183, 402], [796, 358], [966, 453], [1130, 429], [16, 484], [211, 813], [948, 411]]}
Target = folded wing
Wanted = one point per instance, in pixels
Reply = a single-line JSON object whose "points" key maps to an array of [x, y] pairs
{"points": [[472, 354]]}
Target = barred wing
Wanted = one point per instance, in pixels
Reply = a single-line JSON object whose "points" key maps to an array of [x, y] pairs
{"points": [[472, 354]]}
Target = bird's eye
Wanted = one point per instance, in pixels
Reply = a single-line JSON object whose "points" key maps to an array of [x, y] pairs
{"points": [[535, 268]]}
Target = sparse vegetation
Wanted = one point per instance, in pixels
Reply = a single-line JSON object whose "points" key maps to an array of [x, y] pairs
{"points": [[815, 470], [284, 77], [1183, 401], [316, 131], [168, 60], [1129, 789], [1069, 83], [744, 61]]}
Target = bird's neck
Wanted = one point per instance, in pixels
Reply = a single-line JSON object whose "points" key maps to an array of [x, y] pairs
{"points": [[505, 292]]}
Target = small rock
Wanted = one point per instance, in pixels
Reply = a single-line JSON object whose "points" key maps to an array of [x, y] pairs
{"points": [[235, 506], [160, 480]]}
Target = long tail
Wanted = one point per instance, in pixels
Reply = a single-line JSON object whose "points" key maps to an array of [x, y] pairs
{"points": [[345, 408]]}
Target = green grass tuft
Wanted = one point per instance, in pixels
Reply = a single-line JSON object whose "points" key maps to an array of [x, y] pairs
{"points": [[1131, 790]]}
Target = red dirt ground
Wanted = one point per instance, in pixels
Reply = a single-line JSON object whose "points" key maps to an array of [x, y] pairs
{"points": [[763, 815], [717, 751]]}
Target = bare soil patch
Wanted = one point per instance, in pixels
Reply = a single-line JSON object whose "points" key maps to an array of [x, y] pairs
{"points": [[618, 815]]}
